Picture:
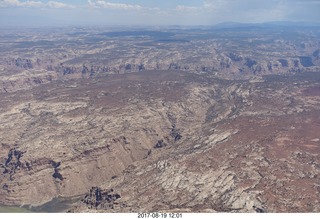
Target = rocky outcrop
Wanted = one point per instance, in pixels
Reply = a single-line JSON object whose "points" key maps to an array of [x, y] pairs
{"points": [[12, 164], [160, 144], [175, 133], [20, 63], [25, 81], [101, 199]]}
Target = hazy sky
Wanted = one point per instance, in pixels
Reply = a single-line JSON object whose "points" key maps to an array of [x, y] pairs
{"points": [[154, 12]]}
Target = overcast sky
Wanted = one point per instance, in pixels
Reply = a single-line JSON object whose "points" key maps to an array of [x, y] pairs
{"points": [[154, 12]]}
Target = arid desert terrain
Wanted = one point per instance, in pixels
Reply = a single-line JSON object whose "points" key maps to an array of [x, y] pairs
{"points": [[204, 119]]}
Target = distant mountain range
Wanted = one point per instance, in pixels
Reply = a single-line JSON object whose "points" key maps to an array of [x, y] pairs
{"points": [[266, 24]]}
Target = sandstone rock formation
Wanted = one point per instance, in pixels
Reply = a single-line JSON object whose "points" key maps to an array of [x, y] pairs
{"points": [[190, 126]]}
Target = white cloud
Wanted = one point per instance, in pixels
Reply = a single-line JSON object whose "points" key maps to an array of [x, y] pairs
{"points": [[54, 4], [214, 4], [184, 8], [33, 4], [17, 3], [207, 6], [116, 6]]}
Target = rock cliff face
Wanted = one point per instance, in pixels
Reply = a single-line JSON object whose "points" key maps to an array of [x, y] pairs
{"points": [[25, 64], [64, 140]]}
